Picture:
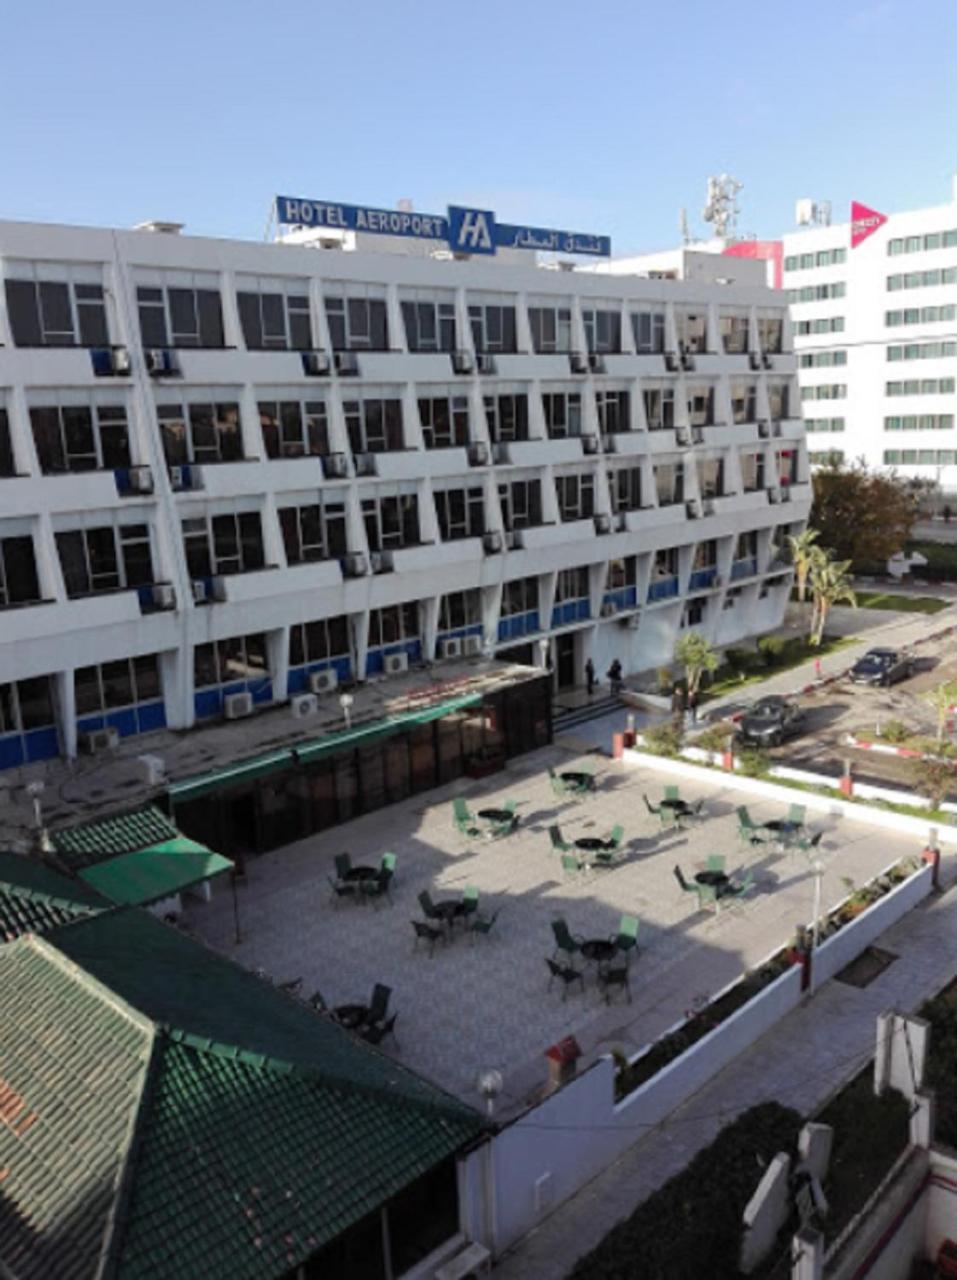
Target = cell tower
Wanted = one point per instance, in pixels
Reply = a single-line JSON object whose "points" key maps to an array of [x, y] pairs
{"points": [[722, 209]]}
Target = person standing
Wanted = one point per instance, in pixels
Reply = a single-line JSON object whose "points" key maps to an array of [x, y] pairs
{"points": [[614, 678], [678, 702], [590, 677], [693, 707]]}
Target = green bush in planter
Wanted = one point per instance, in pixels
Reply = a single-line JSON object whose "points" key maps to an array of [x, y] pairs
{"points": [[895, 731], [663, 739], [771, 649], [753, 762]]}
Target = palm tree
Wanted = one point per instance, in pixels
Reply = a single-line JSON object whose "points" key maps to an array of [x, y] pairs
{"points": [[696, 656], [830, 584], [801, 547]]}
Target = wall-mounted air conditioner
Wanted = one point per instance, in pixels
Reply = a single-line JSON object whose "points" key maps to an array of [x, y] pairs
{"points": [[514, 540], [316, 364], [596, 362], [347, 364], [484, 362], [96, 741], [602, 523], [462, 362], [164, 596], [609, 609], [365, 464], [492, 542], [451, 648], [578, 361], [478, 453], [325, 681], [302, 705], [471, 646], [335, 466], [395, 663], [200, 593], [141, 479], [671, 361], [354, 564], [219, 589], [589, 444], [159, 362], [500, 454], [754, 360], [237, 705], [382, 561], [608, 443]]}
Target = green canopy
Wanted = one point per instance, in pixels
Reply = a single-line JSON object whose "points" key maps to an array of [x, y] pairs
{"points": [[157, 872]]}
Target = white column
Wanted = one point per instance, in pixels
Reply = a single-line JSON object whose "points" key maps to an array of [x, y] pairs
{"points": [[232, 328], [277, 657], [523, 330], [65, 696]]}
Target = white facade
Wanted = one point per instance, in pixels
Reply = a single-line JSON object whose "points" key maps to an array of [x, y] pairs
{"points": [[877, 353], [191, 507]]}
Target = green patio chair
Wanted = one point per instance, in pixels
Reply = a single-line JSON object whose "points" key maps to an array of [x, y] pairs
{"points": [[665, 816], [559, 786], [672, 793], [615, 836], [343, 865], [749, 831], [737, 891], [716, 862], [571, 866], [808, 843], [565, 940], [479, 924], [470, 897], [707, 896], [796, 814], [626, 939], [559, 843], [565, 974], [462, 818], [387, 863], [379, 888], [340, 889], [612, 851], [506, 826]]}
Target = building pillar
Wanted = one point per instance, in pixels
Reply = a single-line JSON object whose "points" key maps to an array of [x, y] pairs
{"points": [[65, 695]]}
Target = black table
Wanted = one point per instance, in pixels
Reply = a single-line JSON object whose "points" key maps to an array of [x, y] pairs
{"points": [[359, 874], [781, 826], [498, 815], [717, 879], [591, 844], [586, 780], [678, 806], [599, 950], [450, 910], [351, 1016]]}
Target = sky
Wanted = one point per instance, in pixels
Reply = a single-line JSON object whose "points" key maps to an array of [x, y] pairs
{"points": [[592, 116]]}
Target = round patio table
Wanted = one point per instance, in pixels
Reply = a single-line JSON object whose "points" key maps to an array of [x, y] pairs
{"points": [[578, 779], [781, 827], [717, 879], [679, 806], [598, 950], [450, 909], [358, 874], [498, 815], [351, 1016], [590, 844]]}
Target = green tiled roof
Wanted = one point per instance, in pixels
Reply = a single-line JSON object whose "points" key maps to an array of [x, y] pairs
{"points": [[156, 872], [262, 1131], [34, 899], [91, 842]]}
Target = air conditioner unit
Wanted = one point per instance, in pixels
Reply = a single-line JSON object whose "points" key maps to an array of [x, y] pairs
{"points": [[691, 509], [683, 435], [382, 561], [671, 361], [484, 362], [500, 454], [325, 681], [302, 705], [609, 609], [347, 364], [578, 361], [237, 705], [158, 362], [316, 364], [354, 564], [98, 740], [471, 646], [754, 359], [621, 522], [785, 493], [514, 540], [335, 466], [633, 620], [697, 435], [200, 593], [365, 464], [121, 362], [602, 523], [687, 360], [153, 770], [462, 362], [608, 443], [707, 506], [766, 360], [141, 479], [764, 430], [589, 444], [218, 588], [596, 362], [478, 453], [492, 542], [395, 663], [451, 648], [164, 596], [774, 495], [179, 478]]}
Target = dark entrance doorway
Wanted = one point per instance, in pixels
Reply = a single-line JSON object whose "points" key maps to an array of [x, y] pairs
{"points": [[565, 660]]}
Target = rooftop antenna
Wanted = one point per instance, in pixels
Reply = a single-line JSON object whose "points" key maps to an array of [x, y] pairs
{"points": [[722, 208], [683, 224]]}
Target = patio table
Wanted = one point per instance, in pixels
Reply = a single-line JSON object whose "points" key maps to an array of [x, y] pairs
{"points": [[598, 950], [590, 844], [717, 879], [577, 779], [351, 1016], [498, 815], [677, 806], [451, 909], [782, 830], [358, 874]]}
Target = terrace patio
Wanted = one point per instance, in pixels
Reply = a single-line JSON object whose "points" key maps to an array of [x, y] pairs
{"points": [[483, 1002]]}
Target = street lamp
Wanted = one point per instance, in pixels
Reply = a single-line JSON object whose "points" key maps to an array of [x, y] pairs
{"points": [[817, 869], [345, 701], [543, 646]]}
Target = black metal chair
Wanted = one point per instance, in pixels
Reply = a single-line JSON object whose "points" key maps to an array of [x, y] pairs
{"points": [[425, 932], [565, 974], [379, 1004], [340, 889], [375, 1035], [611, 976]]}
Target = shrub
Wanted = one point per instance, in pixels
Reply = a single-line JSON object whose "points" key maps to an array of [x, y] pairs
{"points": [[663, 739], [754, 762], [771, 649], [715, 737], [934, 779], [664, 680], [895, 731]]}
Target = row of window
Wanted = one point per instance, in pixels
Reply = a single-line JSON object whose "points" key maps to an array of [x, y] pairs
{"points": [[920, 422], [920, 315], [918, 244], [823, 258], [826, 458], [825, 324], [920, 457], [817, 292], [922, 279], [70, 313], [920, 387], [825, 391], [822, 359], [812, 425], [922, 351]]}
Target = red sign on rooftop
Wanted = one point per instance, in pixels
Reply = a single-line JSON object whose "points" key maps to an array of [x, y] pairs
{"points": [[864, 222]]}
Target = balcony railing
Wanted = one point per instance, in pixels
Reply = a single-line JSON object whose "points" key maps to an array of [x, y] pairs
{"points": [[517, 625], [571, 611], [701, 579], [621, 598], [663, 589], [745, 568]]}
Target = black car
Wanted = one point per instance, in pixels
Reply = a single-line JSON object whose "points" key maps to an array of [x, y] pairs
{"points": [[769, 722], [882, 667]]}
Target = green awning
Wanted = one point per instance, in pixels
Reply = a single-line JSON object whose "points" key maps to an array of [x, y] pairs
{"points": [[147, 875], [286, 758]]}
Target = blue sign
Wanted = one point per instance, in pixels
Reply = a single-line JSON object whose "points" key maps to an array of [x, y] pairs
{"points": [[464, 230]]}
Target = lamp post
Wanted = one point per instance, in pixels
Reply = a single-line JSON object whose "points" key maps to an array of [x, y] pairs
{"points": [[817, 869], [345, 702], [543, 647], [489, 1085]]}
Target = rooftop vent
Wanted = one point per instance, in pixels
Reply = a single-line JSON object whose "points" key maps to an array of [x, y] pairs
{"points": [[155, 224]]}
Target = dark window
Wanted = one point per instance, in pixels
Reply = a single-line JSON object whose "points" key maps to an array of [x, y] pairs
{"points": [[7, 466], [153, 327], [357, 324], [734, 334], [393, 624], [80, 438], [551, 329], [576, 496], [614, 411], [563, 413], [521, 503], [445, 421], [625, 485], [571, 584], [429, 326], [116, 684], [33, 703], [519, 596], [603, 331], [315, 532], [293, 430], [507, 417], [200, 432], [659, 408], [648, 328], [227, 544], [460, 512], [189, 317], [460, 609], [47, 314], [493, 328], [374, 426], [240, 658], [391, 522], [18, 572], [422, 1216], [275, 320], [318, 641]]}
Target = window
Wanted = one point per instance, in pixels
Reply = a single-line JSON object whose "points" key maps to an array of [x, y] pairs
{"points": [[460, 512], [614, 411], [822, 359], [921, 387], [734, 333], [622, 573], [625, 486], [669, 483], [576, 496], [314, 532], [374, 425], [692, 331], [827, 458], [827, 324], [460, 609], [238, 659], [223, 544], [7, 463], [105, 559], [771, 334], [393, 624], [293, 428], [921, 458], [571, 584], [602, 331], [659, 407], [648, 328], [18, 572], [507, 417], [665, 564], [200, 432], [779, 400], [916, 244], [786, 461], [521, 503], [356, 322], [920, 315], [26, 705], [275, 316], [920, 422], [123, 683], [752, 472], [563, 413], [922, 351], [493, 328], [817, 292], [701, 406], [551, 329], [318, 641], [744, 401], [711, 478], [80, 437], [823, 258], [429, 326], [823, 424], [171, 316], [922, 279], [445, 421], [519, 596], [391, 521], [46, 313], [825, 391]]}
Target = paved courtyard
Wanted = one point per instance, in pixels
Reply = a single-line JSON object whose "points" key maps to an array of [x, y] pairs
{"points": [[483, 1002]]}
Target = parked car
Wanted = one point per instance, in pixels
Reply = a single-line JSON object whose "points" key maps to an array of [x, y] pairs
{"points": [[769, 722], [882, 667]]}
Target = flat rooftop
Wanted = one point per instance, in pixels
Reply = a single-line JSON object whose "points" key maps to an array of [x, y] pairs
{"points": [[483, 1002]]}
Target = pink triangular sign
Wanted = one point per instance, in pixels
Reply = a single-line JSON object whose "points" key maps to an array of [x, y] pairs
{"points": [[864, 222]]}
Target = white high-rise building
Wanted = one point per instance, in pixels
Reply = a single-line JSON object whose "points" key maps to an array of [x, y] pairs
{"points": [[228, 467]]}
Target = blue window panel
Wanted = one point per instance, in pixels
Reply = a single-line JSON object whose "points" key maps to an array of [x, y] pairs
{"points": [[208, 702], [296, 682], [90, 724], [461, 632], [151, 715], [374, 662], [664, 589], [11, 751], [703, 578], [518, 624], [261, 690], [122, 477], [41, 744], [124, 722], [743, 569]]}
